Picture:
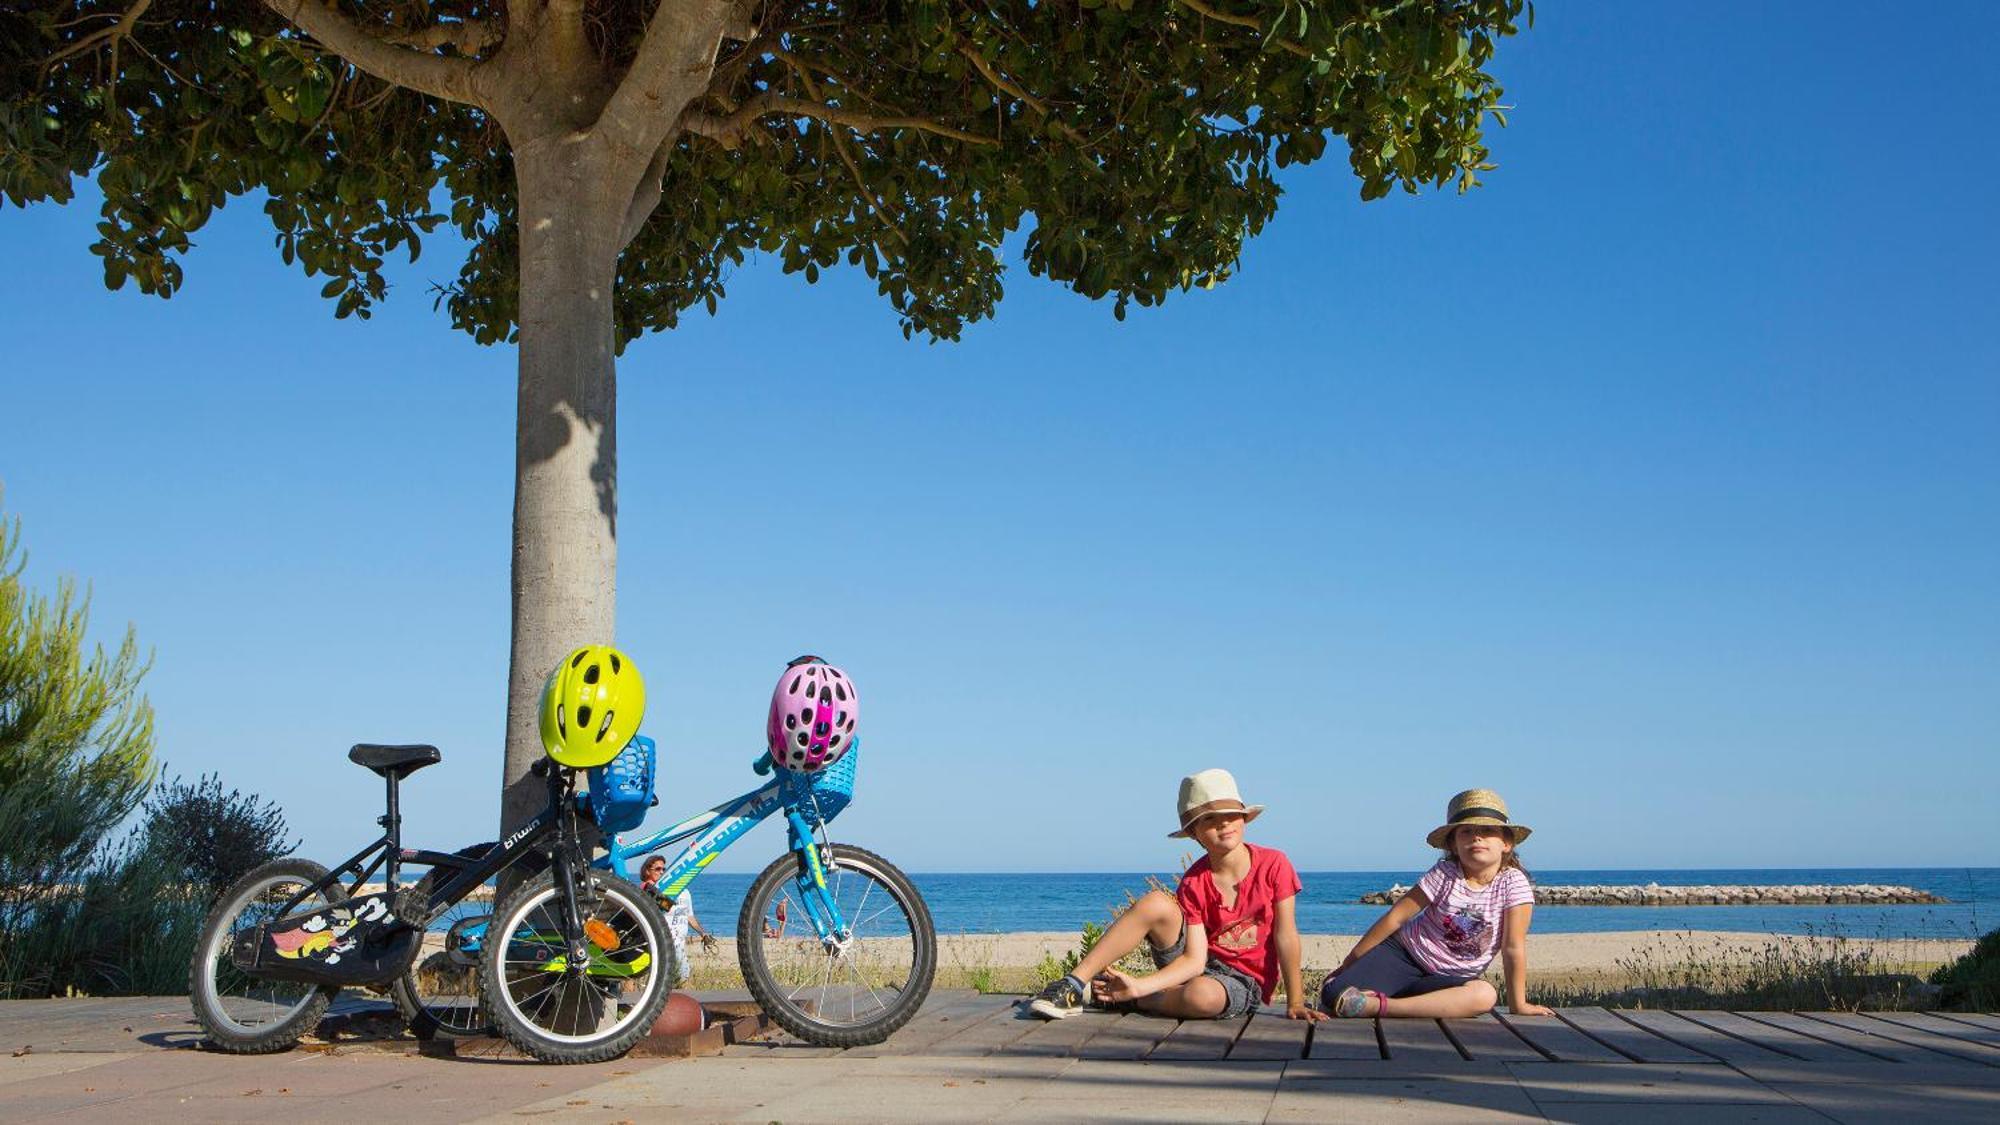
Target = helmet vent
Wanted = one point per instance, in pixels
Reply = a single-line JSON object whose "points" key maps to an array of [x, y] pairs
{"points": [[840, 692], [794, 689], [604, 727], [591, 674], [583, 716], [791, 721], [578, 658], [802, 738], [806, 715], [615, 669], [834, 741]]}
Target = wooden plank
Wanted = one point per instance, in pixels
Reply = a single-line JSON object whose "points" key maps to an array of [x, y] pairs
{"points": [[985, 1036], [1971, 1033], [1486, 1039], [1977, 1019], [1885, 1049], [934, 1023], [1775, 1039], [1344, 1039], [1199, 1039], [1911, 1036], [1559, 1040], [1057, 1038], [1633, 1042], [1269, 1036], [1699, 1037], [1418, 1041], [1132, 1036]]}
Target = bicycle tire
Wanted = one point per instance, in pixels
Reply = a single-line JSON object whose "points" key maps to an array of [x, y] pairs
{"points": [[847, 868], [516, 971], [291, 1020]]}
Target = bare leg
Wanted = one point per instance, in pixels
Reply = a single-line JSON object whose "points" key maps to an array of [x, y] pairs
{"points": [[1157, 916], [1469, 999], [1199, 999]]}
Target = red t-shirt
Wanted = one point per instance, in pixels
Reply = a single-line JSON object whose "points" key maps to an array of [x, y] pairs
{"points": [[1240, 935]]}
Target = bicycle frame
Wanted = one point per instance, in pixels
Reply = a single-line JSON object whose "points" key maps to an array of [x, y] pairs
{"points": [[555, 819], [713, 831]]}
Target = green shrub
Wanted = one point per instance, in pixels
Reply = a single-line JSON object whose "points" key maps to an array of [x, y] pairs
{"points": [[211, 836], [1972, 983], [76, 758]]}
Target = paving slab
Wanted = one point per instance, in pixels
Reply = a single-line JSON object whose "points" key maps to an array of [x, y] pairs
{"points": [[1466, 1098], [1857, 1104], [943, 1014], [1063, 1037], [1138, 1091], [1550, 1083], [991, 1033], [1875, 1072], [1679, 1113], [1418, 1043]]}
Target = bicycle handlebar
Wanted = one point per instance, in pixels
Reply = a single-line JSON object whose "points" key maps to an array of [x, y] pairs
{"points": [[763, 765]]}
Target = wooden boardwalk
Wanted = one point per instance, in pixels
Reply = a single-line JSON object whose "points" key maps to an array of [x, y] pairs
{"points": [[970, 1025]]}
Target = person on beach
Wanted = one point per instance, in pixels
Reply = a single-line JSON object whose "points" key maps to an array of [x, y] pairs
{"points": [[680, 915], [1219, 944], [1426, 956]]}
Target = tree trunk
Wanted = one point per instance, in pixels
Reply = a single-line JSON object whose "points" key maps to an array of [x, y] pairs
{"points": [[566, 447]]}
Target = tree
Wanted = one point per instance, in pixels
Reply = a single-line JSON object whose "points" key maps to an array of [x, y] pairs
{"points": [[608, 162], [76, 747]]}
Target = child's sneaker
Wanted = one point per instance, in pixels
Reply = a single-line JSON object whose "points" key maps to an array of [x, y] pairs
{"points": [[1061, 999], [1353, 1003]]}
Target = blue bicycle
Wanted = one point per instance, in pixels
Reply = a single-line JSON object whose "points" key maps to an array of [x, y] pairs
{"points": [[835, 942]]}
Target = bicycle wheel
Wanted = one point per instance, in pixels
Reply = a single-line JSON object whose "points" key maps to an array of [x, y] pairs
{"points": [[558, 1013], [240, 1013], [851, 989]]}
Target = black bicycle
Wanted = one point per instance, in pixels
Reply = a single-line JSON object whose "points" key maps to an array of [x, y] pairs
{"points": [[571, 967]]}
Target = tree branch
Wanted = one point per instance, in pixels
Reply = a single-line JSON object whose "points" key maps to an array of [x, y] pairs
{"points": [[731, 129], [672, 67], [469, 37], [1250, 22], [1006, 86], [116, 31], [436, 75]]}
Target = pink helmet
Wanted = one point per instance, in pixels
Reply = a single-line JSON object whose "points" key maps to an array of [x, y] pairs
{"points": [[814, 710]]}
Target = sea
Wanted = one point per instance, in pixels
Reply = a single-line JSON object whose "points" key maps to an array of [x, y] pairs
{"points": [[988, 903]]}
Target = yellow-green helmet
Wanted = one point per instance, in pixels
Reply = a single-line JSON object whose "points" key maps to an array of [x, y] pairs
{"points": [[591, 707]]}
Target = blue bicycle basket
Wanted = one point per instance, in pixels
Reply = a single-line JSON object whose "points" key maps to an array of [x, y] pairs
{"points": [[621, 790], [830, 789]]}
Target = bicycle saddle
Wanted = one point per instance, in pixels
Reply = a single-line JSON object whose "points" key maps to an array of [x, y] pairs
{"points": [[400, 760]]}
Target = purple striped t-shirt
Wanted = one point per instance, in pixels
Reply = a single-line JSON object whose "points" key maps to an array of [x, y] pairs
{"points": [[1458, 931]]}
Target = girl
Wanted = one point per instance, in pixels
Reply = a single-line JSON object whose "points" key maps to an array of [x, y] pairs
{"points": [[1425, 956]]}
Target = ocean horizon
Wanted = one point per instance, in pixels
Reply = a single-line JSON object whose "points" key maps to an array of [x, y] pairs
{"points": [[1000, 902]]}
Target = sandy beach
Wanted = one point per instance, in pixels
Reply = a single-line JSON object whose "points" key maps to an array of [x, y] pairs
{"points": [[1547, 953]]}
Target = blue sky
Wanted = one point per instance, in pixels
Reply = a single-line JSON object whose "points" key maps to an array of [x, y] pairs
{"points": [[1655, 484]]}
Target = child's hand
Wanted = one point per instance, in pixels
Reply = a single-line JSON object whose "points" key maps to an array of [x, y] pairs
{"points": [[1530, 1010], [1295, 1010], [1112, 987]]}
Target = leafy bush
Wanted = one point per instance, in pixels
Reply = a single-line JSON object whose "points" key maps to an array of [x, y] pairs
{"points": [[210, 837], [1972, 983]]}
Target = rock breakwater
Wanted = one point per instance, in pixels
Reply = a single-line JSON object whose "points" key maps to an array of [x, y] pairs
{"points": [[1654, 894]]}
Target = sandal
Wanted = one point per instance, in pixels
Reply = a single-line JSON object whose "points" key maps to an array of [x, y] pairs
{"points": [[1352, 1003]]}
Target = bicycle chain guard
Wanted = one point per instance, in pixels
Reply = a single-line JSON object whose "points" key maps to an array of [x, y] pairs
{"points": [[355, 941]]}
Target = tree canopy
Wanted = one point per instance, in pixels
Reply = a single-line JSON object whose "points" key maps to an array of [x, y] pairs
{"points": [[1136, 143]]}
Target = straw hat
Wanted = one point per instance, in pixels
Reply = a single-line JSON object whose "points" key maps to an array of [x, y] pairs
{"points": [[1210, 791], [1476, 806]]}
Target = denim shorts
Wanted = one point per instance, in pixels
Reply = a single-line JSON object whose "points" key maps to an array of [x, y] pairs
{"points": [[1240, 988]]}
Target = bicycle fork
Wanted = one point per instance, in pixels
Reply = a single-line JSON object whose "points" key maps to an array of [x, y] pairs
{"points": [[821, 907]]}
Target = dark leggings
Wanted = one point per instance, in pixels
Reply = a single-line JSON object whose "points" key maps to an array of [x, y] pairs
{"points": [[1390, 970]]}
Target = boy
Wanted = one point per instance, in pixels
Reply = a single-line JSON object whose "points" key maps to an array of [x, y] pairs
{"points": [[1220, 943]]}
